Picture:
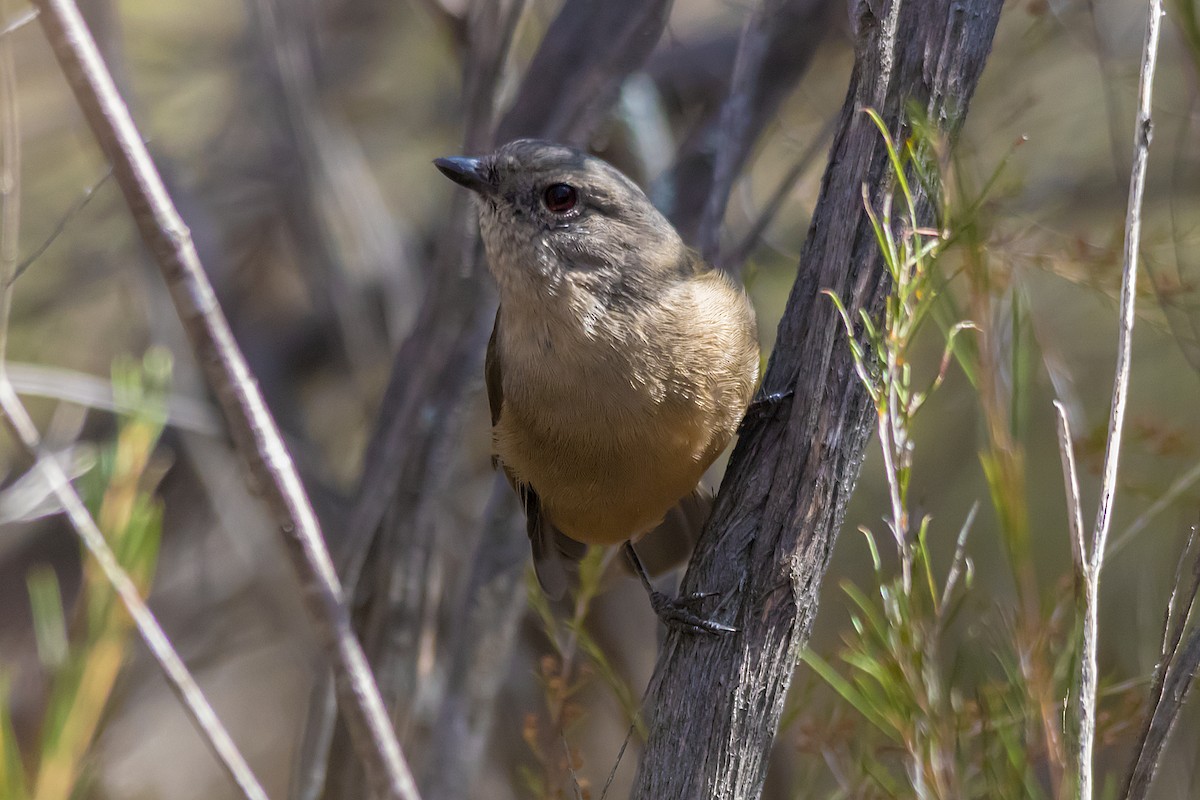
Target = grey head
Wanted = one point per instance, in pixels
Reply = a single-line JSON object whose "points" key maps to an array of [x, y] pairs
{"points": [[551, 215]]}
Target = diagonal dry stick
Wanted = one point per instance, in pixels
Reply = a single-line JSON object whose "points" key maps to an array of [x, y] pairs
{"points": [[24, 431], [254, 431]]}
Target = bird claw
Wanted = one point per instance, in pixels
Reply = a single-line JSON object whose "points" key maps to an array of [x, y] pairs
{"points": [[760, 405], [679, 613]]}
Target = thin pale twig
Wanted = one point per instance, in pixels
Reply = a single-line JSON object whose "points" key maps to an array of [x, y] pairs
{"points": [[960, 559], [1112, 451], [1085, 600], [254, 430], [570, 766], [19, 22], [1133, 225], [1066, 449], [612, 773]]}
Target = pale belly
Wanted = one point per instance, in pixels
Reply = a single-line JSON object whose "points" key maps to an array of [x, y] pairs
{"points": [[604, 484]]}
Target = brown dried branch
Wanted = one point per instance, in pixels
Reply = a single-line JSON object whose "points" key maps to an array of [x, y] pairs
{"points": [[767, 545], [250, 422]]}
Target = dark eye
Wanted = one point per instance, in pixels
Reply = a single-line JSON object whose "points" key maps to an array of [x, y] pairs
{"points": [[560, 198]]}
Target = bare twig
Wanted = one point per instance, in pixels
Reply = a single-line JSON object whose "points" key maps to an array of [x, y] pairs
{"points": [[773, 54], [490, 608], [734, 125], [63, 221], [959, 563], [19, 22], [1066, 449], [1079, 760], [1176, 619], [1112, 451], [620, 35], [253, 428], [326, 192], [1133, 227]]}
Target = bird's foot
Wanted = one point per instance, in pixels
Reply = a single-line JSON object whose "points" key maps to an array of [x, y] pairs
{"points": [[682, 613], [762, 404]]}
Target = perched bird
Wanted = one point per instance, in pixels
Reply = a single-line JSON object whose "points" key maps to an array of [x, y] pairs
{"points": [[620, 363]]}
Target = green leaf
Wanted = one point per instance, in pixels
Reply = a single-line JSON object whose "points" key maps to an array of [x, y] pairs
{"points": [[49, 621], [869, 610], [848, 693]]}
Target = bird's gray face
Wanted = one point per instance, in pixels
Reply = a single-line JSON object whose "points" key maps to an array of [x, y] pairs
{"points": [[551, 215]]}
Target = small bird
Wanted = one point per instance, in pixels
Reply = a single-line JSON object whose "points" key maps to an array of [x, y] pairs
{"points": [[620, 363]]}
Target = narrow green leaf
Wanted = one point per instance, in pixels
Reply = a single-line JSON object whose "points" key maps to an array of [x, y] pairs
{"points": [[49, 621], [848, 693]]}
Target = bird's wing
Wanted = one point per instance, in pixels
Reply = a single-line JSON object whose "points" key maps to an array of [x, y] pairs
{"points": [[492, 375], [555, 555]]}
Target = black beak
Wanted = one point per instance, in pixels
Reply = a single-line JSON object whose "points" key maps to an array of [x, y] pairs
{"points": [[468, 172]]}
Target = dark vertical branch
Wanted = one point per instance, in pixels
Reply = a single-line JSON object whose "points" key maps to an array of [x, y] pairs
{"points": [[767, 545]]}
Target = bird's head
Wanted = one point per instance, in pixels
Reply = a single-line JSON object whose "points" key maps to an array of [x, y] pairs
{"points": [[551, 215]]}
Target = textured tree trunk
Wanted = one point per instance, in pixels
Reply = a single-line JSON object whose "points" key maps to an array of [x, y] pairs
{"points": [[716, 701]]}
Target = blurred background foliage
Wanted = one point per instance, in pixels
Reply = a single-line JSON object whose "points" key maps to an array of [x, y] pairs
{"points": [[298, 149]]}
